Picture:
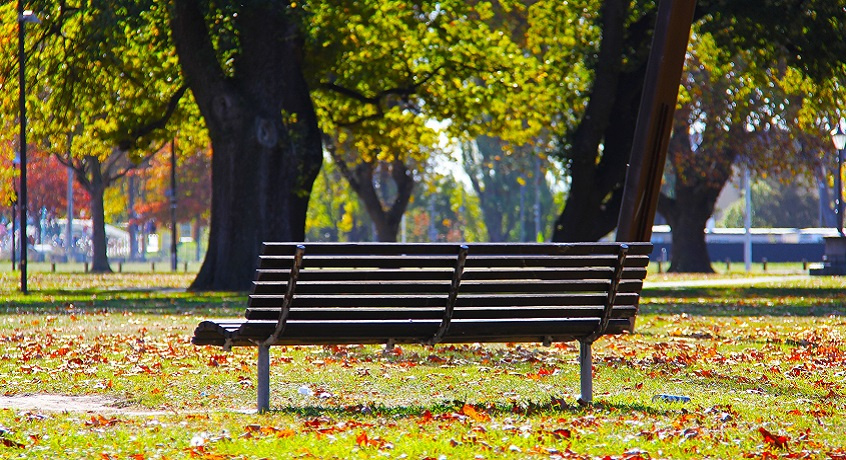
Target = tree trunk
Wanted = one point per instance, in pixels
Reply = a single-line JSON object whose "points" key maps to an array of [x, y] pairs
{"points": [[385, 211], [386, 219], [264, 134], [593, 203], [689, 252], [97, 190]]}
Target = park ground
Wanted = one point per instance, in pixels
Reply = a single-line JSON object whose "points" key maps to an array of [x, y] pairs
{"points": [[101, 366]]}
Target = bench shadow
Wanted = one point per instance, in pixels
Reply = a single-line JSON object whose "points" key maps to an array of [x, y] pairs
{"points": [[453, 409]]}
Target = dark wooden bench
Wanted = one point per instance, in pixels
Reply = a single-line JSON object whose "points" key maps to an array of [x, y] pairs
{"points": [[338, 293]]}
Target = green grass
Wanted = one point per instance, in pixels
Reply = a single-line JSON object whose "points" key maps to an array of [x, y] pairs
{"points": [[751, 356]]}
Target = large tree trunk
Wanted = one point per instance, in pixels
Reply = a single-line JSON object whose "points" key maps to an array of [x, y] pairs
{"points": [[689, 253], [264, 134], [699, 177], [593, 202], [97, 189]]}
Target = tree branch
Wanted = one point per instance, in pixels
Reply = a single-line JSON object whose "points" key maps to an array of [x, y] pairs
{"points": [[159, 123]]}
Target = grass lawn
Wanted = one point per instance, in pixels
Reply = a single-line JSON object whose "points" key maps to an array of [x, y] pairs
{"points": [[763, 363]]}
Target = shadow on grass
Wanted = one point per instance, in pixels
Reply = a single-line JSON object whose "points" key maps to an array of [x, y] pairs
{"points": [[455, 409], [142, 301], [748, 301]]}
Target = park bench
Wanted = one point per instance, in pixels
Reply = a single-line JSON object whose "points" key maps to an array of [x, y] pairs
{"points": [[369, 293]]}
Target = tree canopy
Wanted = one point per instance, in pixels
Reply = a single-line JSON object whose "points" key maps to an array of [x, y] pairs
{"points": [[103, 85]]}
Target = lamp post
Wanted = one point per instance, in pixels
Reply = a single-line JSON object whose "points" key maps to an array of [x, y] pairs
{"points": [[15, 162], [173, 232], [24, 17], [839, 140]]}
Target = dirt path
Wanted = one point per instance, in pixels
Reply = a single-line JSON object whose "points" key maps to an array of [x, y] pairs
{"points": [[61, 403]]}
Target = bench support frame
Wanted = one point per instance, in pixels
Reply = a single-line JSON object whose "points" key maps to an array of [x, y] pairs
{"points": [[586, 372], [263, 383]]}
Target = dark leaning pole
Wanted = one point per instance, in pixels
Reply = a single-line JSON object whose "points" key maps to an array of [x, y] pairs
{"points": [[652, 135], [655, 120]]}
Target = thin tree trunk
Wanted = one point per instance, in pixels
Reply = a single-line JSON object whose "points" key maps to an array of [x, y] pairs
{"points": [[97, 189]]}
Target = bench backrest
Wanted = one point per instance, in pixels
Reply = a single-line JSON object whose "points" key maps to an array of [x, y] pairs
{"points": [[455, 292]]}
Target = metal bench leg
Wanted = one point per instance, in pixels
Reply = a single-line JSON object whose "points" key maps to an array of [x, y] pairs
{"points": [[586, 372], [263, 384]]}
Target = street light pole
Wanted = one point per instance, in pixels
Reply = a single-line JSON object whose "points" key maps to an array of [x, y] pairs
{"points": [[15, 163], [839, 140], [23, 18], [173, 231]]}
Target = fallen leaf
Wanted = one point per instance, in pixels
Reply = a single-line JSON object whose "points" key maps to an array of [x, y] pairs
{"points": [[11, 443], [471, 412], [774, 440], [561, 433]]}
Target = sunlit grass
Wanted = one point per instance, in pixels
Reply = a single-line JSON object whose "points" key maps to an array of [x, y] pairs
{"points": [[766, 356]]}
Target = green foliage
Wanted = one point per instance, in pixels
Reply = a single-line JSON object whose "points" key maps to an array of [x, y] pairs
{"points": [[334, 212], [564, 37], [378, 65], [777, 204], [444, 210], [806, 35], [510, 182], [104, 72]]}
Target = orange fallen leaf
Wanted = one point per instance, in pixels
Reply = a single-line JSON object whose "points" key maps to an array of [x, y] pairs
{"points": [[561, 433], [774, 440], [471, 412], [364, 441], [10, 443]]}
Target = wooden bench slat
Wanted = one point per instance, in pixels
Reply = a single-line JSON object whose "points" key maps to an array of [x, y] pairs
{"points": [[365, 313], [358, 331], [387, 274], [561, 249], [481, 262], [403, 287], [343, 332], [310, 262], [357, 287], [469, 300], [351, 300], [473, 261]]}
